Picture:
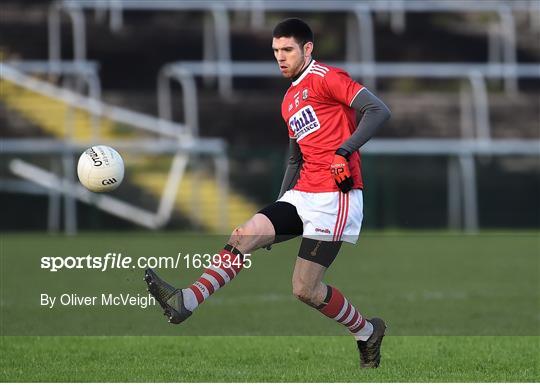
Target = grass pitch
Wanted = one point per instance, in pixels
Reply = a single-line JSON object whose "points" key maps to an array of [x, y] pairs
{"points": [[459, 308], [267, 359]]}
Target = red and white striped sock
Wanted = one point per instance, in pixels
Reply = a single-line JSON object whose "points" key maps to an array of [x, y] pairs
{"points": [[222, 271], [337, 307]]}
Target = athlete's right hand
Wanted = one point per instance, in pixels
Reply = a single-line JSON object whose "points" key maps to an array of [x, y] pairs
{"points": [[341, 173]]}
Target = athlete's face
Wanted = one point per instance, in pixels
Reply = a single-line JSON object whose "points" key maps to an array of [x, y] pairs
{"points": [[290, 56]]}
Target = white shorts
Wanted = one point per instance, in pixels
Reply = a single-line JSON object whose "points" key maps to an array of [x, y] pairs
{"points": [[328, 216]]}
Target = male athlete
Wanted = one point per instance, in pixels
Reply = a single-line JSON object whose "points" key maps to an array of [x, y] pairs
{"points": [[321, 194]]}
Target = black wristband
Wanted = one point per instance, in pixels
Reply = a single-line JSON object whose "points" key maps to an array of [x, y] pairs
{"points": [[344, 153]]}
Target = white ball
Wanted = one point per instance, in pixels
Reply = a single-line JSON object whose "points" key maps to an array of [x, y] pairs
{"points": [[100, 169]]}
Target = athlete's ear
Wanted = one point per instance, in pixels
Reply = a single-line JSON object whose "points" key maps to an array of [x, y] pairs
{"points": [[308, 48]]}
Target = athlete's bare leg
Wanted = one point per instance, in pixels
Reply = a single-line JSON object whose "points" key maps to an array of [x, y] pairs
{"points": [[307, 282], [309, 288], [180, 303], [257, 232]]}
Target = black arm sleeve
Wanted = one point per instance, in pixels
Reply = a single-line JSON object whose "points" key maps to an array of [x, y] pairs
{"points": [[374, 114], [294, 164]]}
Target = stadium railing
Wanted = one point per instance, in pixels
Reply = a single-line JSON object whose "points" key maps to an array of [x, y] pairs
{"points": [[184, 73], [502, 45], [171, 138], [360, 27], [80, 74], [461, 170]]}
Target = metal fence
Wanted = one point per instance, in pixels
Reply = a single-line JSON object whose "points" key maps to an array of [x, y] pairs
{"points": [[171, 138]]}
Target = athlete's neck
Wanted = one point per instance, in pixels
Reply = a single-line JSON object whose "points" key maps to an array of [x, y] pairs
{"points": [[306, 65]]}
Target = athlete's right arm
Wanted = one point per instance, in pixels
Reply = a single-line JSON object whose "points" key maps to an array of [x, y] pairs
{"points": [[294, 164]]}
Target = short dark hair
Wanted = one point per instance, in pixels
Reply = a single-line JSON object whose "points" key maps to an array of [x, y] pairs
{"points": [[295, 28]]}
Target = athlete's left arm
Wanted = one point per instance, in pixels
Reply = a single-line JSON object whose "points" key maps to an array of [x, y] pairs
{"points": [[374, 114]]}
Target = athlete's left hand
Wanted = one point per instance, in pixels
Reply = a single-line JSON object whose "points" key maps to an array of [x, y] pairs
{"points": [[341, 173]]}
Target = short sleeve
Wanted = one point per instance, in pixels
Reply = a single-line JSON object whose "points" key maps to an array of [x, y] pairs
{"points": [[339, 86], [291, 133], [284, 116]]}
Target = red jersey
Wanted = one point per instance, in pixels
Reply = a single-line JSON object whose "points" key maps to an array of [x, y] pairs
{"points": [[318, 113]]}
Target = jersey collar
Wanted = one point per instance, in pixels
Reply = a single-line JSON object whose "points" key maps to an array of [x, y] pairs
{"points": [[304, 73]]}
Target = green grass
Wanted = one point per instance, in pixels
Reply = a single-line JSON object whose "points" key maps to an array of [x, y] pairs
{"points": [[459, 308], [266, 359]]}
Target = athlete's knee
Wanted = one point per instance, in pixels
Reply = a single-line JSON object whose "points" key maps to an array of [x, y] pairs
{"points": [[237, 236], [256, 232], [238, 231]]}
